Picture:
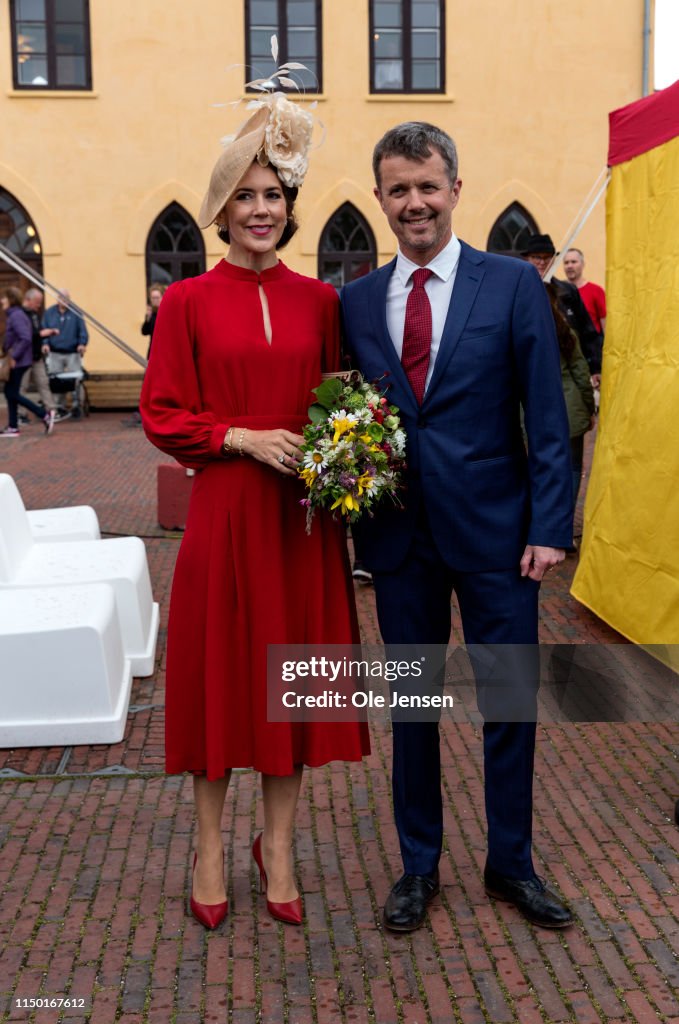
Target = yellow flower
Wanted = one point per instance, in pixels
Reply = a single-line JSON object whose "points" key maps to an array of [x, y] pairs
{"points": [[348, 503], [364, 482], [342, 424]]}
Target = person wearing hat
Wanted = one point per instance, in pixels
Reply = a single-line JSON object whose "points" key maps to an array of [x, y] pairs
{"points": [[539, 250], [236, 352]]}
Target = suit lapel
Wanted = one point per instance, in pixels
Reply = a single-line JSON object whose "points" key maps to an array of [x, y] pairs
{"points": [[379, 316], [470, 272]]}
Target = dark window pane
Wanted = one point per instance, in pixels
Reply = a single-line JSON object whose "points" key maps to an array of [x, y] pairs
{"points": [[425, 75], [387, 14], [186, 241], [388, 44], [71, 71], [69, 10], [301, 12], [162, 240], [359, 268], [70, 39], [332, 273], [388, 74], [511, 230], [306, 79], [190, 268], [426, 44], [33, 71], [425, 13], [31, 38], [301, 44], [263, 12], [30, 10], [359, 241], [161, 272], [260, 42]]}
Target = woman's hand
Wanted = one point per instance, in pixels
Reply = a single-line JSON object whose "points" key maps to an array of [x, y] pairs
{"points": [[278, 449]]}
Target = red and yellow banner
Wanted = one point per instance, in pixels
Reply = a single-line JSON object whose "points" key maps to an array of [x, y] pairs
{"points": [[629, 566]]}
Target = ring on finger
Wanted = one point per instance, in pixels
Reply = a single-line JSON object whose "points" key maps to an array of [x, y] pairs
{"points": [[281, 458]]}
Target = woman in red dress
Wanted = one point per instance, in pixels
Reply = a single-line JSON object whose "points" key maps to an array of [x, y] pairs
{"points": [[236, 353]]}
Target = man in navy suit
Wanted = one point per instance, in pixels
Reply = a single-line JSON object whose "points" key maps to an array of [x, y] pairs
{"points": [[466, 339]]}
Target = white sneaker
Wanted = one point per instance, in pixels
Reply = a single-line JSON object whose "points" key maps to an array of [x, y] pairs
{"points": [[10, 432], [49, 420]]}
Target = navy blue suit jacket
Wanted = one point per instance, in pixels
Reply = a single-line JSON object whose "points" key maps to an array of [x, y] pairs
{"points": [[485, 495]]}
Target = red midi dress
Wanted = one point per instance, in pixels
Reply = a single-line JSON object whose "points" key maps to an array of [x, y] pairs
{"points": [[247, 574]]}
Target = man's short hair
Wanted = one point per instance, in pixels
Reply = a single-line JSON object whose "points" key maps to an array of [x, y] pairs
{"points": [[415, 140], [572, 248], [33, 293]]}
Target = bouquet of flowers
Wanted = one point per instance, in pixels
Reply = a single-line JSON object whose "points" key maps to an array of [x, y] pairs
{"points": [[353, 448]]}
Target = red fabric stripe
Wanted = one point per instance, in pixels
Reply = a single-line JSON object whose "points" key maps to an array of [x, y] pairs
{"points": [[643, 125]]}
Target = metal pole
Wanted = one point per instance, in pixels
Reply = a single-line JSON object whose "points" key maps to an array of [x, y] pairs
{"points": [[646, 49], [580, 222]]}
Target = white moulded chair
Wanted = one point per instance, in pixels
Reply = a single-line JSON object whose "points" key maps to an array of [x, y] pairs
{"points": [[76, 522], [64, 677], [120, 562]]}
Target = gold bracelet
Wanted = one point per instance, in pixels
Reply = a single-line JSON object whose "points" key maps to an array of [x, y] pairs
{"points": [[240, 441], [228, 442]]}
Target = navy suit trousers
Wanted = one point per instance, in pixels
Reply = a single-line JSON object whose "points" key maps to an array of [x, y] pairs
{"points": [[413, 607]]}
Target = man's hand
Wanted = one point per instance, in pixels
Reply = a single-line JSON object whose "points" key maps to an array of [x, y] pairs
{"points": [[81, 350], [537, 561]]}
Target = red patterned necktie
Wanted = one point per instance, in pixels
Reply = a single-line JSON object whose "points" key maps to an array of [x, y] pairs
{"points": [[417, 334]]}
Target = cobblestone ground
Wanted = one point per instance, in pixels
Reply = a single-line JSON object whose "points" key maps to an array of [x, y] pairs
{"points": [[95, 847]]}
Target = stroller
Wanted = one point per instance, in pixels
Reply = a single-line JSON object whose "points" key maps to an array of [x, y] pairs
{"points": [[73, 383]]}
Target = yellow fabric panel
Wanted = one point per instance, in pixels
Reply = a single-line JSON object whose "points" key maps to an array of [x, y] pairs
{"points": [[628, 572]]}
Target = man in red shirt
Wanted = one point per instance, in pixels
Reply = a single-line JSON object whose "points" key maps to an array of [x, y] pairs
{"points": [[592, 295]]}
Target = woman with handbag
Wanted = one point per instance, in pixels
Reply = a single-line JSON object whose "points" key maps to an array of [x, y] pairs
{"points": [[18, 346]]}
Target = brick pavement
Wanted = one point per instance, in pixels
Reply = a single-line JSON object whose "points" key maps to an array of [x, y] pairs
{"points": [[95, 846]]}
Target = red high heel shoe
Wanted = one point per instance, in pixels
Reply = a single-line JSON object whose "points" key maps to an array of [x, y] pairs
{"points": [[210, 915], [289, 913]]}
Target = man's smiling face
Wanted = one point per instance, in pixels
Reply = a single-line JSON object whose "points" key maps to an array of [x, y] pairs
{"points": [[418, 199]]}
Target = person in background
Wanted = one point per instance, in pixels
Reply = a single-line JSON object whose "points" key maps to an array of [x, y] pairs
{"points": [[577, 389], [155, 294], [540, 251], [19, 343], [67, 340], [592, 295], [31, 306]]}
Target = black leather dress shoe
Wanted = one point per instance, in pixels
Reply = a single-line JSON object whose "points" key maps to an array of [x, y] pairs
{"points": [[406, 906], [532, 897]]}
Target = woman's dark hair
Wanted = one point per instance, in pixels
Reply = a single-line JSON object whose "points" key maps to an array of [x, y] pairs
{"points": [[13, 296], [291, 225], [564, 333]]}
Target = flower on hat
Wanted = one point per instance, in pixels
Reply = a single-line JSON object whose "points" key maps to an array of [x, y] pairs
{"points": [[287, 139]]}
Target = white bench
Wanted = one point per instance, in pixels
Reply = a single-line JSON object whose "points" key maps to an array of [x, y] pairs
{"points": [[120, 562], [64, 677], [76, 522]]}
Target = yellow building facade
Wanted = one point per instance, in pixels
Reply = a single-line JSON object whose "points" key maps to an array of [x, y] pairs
{"points": [[524, 87]]}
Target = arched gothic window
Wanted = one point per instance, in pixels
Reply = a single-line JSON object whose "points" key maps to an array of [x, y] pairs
{"points": [[20, 236], [509, 232], [174, 247], [347, 248]]}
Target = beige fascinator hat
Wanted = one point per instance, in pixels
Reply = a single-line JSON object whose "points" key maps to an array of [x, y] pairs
{"points": [[277, 133]]}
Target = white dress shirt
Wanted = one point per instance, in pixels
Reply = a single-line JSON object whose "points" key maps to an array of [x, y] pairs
{"points": [[439, 289]]}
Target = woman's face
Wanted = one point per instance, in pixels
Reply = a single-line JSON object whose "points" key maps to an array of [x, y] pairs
{"points": [[4, 302], [256, 213], [154, 298]]}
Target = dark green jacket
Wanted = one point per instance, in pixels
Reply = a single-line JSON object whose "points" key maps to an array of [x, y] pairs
{"points": [[577, 391]]}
